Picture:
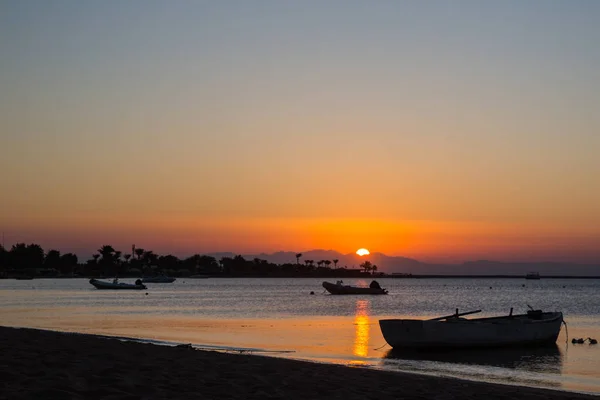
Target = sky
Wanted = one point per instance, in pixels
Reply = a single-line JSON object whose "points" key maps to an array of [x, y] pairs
{"points": [[444, 131]]}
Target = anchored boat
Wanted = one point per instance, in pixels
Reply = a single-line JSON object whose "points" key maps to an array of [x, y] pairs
{"points": [[117, 285], [532, 275], [533, 328], [339, 288]]}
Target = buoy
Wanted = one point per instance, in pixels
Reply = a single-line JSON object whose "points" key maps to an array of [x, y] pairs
{"points": [[573, 340], [312, 292], [592, 341], [580, 340], [523, 285], [146, 293], [490, 287]]}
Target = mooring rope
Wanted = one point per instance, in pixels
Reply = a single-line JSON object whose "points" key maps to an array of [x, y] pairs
{"points": [[566, 330]]}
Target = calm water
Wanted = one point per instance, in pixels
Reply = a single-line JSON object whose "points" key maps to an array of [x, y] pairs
{"points": [[279, 317]]}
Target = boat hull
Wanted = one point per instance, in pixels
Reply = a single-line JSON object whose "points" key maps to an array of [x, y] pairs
{"points": [[344, 289], [115, 286], [520, 330]]}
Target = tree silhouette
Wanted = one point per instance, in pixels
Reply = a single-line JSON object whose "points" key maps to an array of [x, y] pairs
{"points": [[3, 259], [226, 265], [52, 259], [240, 265], [168, 262], [139, 252], [107, 252], [68, 263], [24, 256], [208, 264], [31, 259], [149, 258], [117, 261], [108, 260], [366, 266]]}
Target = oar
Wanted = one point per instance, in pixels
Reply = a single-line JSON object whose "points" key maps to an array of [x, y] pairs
{"points": [[456, 314]]}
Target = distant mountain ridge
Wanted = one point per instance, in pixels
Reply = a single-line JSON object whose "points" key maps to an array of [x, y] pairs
{"points": [[397, 264]]}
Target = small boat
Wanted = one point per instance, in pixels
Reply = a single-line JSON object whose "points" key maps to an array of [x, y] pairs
{"points": [[116, 286], [452, 331], [158, 279], [532, 275], [339, 288]]}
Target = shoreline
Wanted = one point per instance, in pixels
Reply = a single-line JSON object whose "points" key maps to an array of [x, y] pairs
{"points": [[58, 365]]}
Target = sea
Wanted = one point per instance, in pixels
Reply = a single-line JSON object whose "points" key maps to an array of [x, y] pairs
{"points": [[295, 318]]}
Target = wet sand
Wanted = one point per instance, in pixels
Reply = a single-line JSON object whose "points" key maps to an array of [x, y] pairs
{"points": [[37, 364]]}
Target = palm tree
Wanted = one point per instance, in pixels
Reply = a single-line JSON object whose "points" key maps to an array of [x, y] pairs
{"points": [[298, 258], [118, 256], [335, 262], [107, 252], [107, 260], [320, 263], [139, 252], [327, 263], [366, 266], [117, 261], [374, 268], [127, 257]]}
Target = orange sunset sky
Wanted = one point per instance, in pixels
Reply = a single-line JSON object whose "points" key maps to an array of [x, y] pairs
{"points": [[434, 130]]}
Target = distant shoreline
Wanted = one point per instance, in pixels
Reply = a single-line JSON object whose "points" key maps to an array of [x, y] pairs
{"points": [[31, 261]]}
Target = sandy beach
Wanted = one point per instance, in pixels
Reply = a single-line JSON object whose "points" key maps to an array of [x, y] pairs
{"points": [[37, 364]]}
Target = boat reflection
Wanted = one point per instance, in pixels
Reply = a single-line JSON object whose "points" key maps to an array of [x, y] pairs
{"points": [[548, 359], [362, 327]]}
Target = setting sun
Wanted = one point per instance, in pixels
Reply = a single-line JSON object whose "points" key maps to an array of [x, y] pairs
{"points": [[362, 252]]}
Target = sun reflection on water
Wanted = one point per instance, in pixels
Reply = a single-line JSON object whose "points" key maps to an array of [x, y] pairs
{"points": [[362, 324]]}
